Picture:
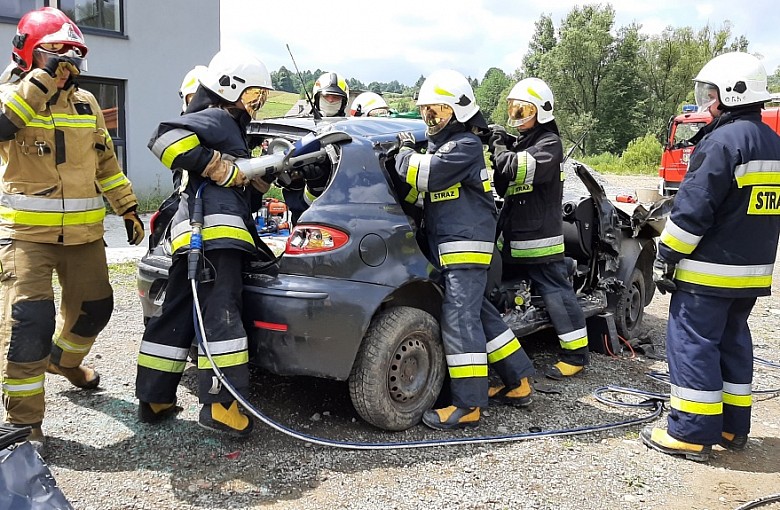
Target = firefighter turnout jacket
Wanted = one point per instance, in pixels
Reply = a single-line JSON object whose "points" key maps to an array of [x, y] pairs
{"points": [[57, 161], [459, 210], [189, 142], [530, 178], [723, 230]]}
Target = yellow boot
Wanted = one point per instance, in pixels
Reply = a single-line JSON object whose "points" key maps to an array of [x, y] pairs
{"points": [[449, 418], [562, 370], [227, 418], [519, 395], [659, 439]]}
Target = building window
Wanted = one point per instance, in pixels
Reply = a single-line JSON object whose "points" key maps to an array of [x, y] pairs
{"points": [[12, 10], [110, 95], [96, 14]]}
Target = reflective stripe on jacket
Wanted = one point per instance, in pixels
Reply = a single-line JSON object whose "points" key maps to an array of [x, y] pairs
{"points": [[723, 229], [58, 161], [188, 143], [460, 212], [530, 178]]}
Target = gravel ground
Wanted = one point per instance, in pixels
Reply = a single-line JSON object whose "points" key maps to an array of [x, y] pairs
{"points": [[103, 458]]}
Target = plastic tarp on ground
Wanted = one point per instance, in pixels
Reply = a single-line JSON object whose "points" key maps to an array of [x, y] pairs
{"points": [[26, 483]]}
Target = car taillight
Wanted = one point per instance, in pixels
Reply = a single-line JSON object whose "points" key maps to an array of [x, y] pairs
{"points": [[152, 220], [305, 239]]}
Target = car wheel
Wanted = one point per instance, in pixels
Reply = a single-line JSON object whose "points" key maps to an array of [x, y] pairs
{"points": [[399, 368], [630, 306]]}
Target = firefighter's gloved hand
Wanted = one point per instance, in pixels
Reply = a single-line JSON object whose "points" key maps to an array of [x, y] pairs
{"points": [[56, 67], [134, 226], [663, 276], [314, 171], [406, 140], [224, 172], [496, 144]]}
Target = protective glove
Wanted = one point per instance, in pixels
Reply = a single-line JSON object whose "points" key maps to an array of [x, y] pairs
{"points": [[406, 140], [224, 172], [134, 226], [313, 172], [496, 144], [663, 276], [56, 67]]}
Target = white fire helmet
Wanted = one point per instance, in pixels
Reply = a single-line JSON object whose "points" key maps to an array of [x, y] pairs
{"points": [[189, 84], [452, 89], [739, 78], [368, 102], [536, 92], [231, 72]]}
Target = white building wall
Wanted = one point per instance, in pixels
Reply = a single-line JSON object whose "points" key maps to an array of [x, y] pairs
{"points": [[163, 40]]}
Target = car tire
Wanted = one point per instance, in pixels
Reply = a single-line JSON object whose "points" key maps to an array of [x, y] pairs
{"points": [[629, 309], [399, 369]]}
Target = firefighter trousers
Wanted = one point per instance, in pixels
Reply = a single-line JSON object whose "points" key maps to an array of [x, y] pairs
{"points": [[551, 282], [474, 335], [31, 335], [168, 336], [710, 353]]}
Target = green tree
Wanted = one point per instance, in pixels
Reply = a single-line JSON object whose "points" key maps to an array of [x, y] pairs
{"points": [[542, 42], [283, 80], [773, 81], [489, 93], [576, 67]]}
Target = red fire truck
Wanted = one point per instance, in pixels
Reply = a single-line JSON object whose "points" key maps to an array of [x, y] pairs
{"points": [[677, 150]]}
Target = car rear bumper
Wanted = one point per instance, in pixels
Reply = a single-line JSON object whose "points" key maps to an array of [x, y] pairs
{"points": [[301, 325]]}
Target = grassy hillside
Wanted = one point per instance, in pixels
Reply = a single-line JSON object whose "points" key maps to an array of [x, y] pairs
{"points": [[278, 104]]}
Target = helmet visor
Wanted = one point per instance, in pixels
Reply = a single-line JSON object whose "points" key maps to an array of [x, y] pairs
{"points": [[435, 116], [519, 112], [705, 94], [253, 99], [73, 53], [379, 112]]}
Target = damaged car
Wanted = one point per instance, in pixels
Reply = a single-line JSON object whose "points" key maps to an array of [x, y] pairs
{"points": [[354, 298]]}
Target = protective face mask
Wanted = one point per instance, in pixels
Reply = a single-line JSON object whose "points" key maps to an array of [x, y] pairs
{"points": [[329, 109]]}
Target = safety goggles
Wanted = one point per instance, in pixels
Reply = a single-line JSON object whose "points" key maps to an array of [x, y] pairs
{"points": [[705, 94], [435, 116], [74, 53], [62, 49], [379, 112], [253, 99], [519, 112]]}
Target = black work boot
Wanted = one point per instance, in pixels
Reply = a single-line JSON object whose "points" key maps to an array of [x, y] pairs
{"points": [[731, 441], [226, 418], [449, 418]]}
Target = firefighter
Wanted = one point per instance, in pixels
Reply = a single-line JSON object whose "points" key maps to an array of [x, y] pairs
{"points": [[55, 175], [189, 85], [452, 183], [716, 255], [205, 143], [369, 104], [330, 95], [529, 175]]}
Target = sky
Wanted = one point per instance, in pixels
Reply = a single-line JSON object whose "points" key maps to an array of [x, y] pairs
{"points": [[403, 39]]}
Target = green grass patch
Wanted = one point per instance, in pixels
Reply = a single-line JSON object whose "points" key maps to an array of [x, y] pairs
{"points": [[278, 104], [607, 163], [124, 269]]}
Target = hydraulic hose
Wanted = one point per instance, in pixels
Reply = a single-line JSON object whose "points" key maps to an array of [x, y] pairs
{"points": [[656, 407]]}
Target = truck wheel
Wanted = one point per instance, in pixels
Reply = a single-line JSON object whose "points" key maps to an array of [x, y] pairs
{"points": [[399, 368], [630, 306]]}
